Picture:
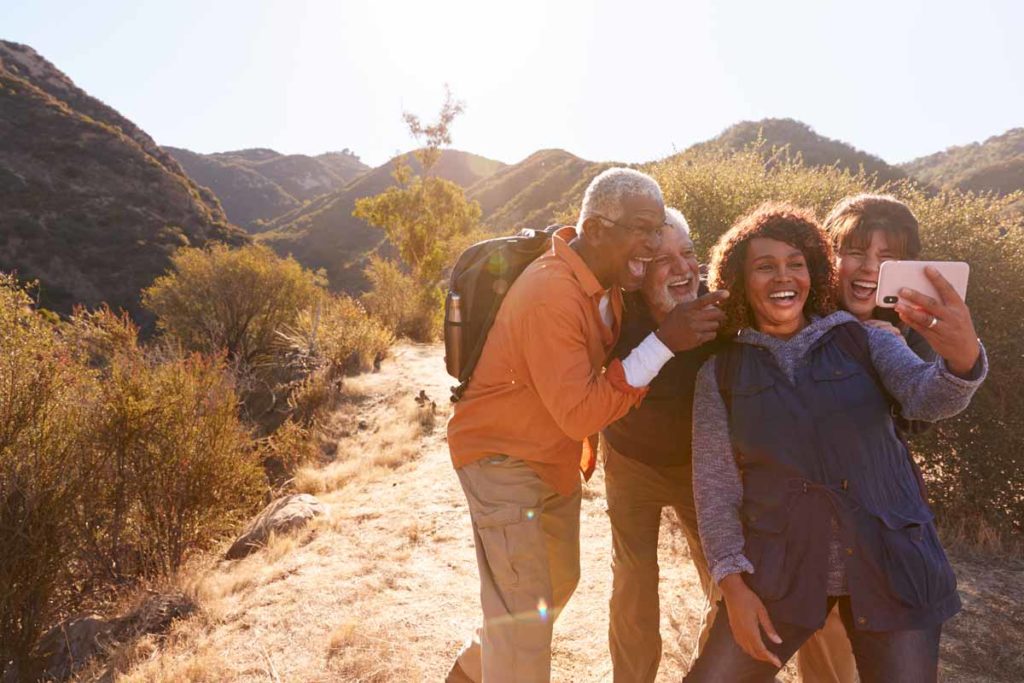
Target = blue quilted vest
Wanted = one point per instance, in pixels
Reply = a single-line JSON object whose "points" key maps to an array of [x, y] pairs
{"points": [[823, 447]]}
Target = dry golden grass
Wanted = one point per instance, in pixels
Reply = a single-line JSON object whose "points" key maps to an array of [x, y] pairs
{"points": [[978, 539], [356, 652], [384, 586], [391, 441]]}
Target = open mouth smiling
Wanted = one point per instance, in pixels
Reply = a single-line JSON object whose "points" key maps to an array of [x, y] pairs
{"points": [[783, 297], [863, 290], [680, 284], [638, 265]]}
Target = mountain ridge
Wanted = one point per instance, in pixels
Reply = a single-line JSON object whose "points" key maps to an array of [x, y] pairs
{"points": [[90, 206], [995, 164], [257, 185], [324, 234], [800, 138]]}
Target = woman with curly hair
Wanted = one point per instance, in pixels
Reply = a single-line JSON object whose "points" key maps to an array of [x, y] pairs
{"points": [[806, 499]]}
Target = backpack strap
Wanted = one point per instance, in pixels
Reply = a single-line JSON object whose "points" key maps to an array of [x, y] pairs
{"points": [[536, 243], [727, 364], [852, 338]]}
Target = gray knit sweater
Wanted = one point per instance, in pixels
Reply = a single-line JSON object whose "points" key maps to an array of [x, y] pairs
{"points": [[925, 391]]}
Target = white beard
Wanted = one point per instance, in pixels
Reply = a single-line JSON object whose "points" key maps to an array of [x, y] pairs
{"points": [[661, 300]]}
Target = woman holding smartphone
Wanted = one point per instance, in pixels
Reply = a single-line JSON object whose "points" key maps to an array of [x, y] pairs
{"points": [[806, 499], [866, 231]]}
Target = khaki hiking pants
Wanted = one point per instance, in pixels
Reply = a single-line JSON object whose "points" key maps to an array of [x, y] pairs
{"points": [[527, 540], [827, 657], [637, 493]]}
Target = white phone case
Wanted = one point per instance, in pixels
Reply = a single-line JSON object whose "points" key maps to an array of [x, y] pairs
{"points": [[894, 275]]}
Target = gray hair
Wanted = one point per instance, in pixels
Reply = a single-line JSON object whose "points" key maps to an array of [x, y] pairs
{"points": [[675, 218], [606, 192]]}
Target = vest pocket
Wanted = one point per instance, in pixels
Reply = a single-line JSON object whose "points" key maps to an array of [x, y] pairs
{"points": [[752, 388], [765, 547], [842, 387], [916, 569]]}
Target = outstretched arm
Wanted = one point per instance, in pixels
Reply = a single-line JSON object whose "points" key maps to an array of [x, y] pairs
{"points": [[941, 389]]}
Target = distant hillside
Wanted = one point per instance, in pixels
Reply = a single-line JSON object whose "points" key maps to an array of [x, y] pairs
{"points": [[532, 193], [306, 177], [816, 150], [261, 184], [995, 165], [345, 164], [89, 204], [324, 234], [246, 194]]}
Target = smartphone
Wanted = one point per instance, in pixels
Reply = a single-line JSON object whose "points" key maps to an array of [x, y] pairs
{"points": [[895, 275]]}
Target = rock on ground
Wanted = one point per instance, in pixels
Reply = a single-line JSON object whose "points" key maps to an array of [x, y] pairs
{"points": [[67, 647], [281, 516]]}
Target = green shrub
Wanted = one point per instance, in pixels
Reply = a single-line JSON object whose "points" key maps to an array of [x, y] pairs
{"points": [[975, 462], [406, 307], [233, 300], [276, 322], [290, 447], [194, 473], [97, 336], [713, 188], [116, 462], [44, 395], [172, 467], [343, 334]]}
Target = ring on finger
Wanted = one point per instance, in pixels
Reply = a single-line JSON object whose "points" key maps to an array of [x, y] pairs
{"points": [[933, 322]]}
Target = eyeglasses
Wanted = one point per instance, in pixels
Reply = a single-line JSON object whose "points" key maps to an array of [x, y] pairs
{"points": [[649, 231]]}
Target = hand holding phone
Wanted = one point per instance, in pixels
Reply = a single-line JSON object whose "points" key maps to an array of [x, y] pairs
{"points": [[896, 275], [943, 320]]}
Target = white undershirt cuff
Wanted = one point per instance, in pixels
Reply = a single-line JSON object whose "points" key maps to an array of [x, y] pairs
{"points": [[645, 361]]}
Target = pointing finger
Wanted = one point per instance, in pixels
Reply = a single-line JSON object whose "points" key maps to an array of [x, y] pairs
{"points": [[709, 313], [712, 298]]}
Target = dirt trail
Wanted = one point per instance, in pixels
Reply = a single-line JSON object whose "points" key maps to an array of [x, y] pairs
{"points": [[384, 588], [447, 581]]}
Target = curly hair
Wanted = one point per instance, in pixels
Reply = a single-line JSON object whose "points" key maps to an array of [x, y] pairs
{"points": [[778, 221]]}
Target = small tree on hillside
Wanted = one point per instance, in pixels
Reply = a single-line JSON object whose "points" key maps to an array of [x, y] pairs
{"points": [[426, 218]]}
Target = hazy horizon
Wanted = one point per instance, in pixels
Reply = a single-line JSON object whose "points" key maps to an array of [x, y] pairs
{"points": [[314, 76]]}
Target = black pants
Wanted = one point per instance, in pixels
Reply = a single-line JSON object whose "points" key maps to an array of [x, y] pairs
{"points": [[882, 657]]}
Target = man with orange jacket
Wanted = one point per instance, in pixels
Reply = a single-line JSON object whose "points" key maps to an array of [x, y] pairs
{"points": [[541, 391]]}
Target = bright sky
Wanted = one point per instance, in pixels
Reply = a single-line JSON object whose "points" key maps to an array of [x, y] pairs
{"points": [[626, 80]]}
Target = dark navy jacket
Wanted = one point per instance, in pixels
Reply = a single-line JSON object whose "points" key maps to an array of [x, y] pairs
{"points": [[826, 446]]}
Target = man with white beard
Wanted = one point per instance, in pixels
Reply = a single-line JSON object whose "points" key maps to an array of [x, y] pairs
{"points": [[647, 463]]}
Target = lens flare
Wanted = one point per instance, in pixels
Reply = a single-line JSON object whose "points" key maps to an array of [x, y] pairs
{"points": [[542, 609], [530, 514]]}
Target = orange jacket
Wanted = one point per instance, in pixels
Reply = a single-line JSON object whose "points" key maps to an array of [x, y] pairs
{"points": [[540, 391]]}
